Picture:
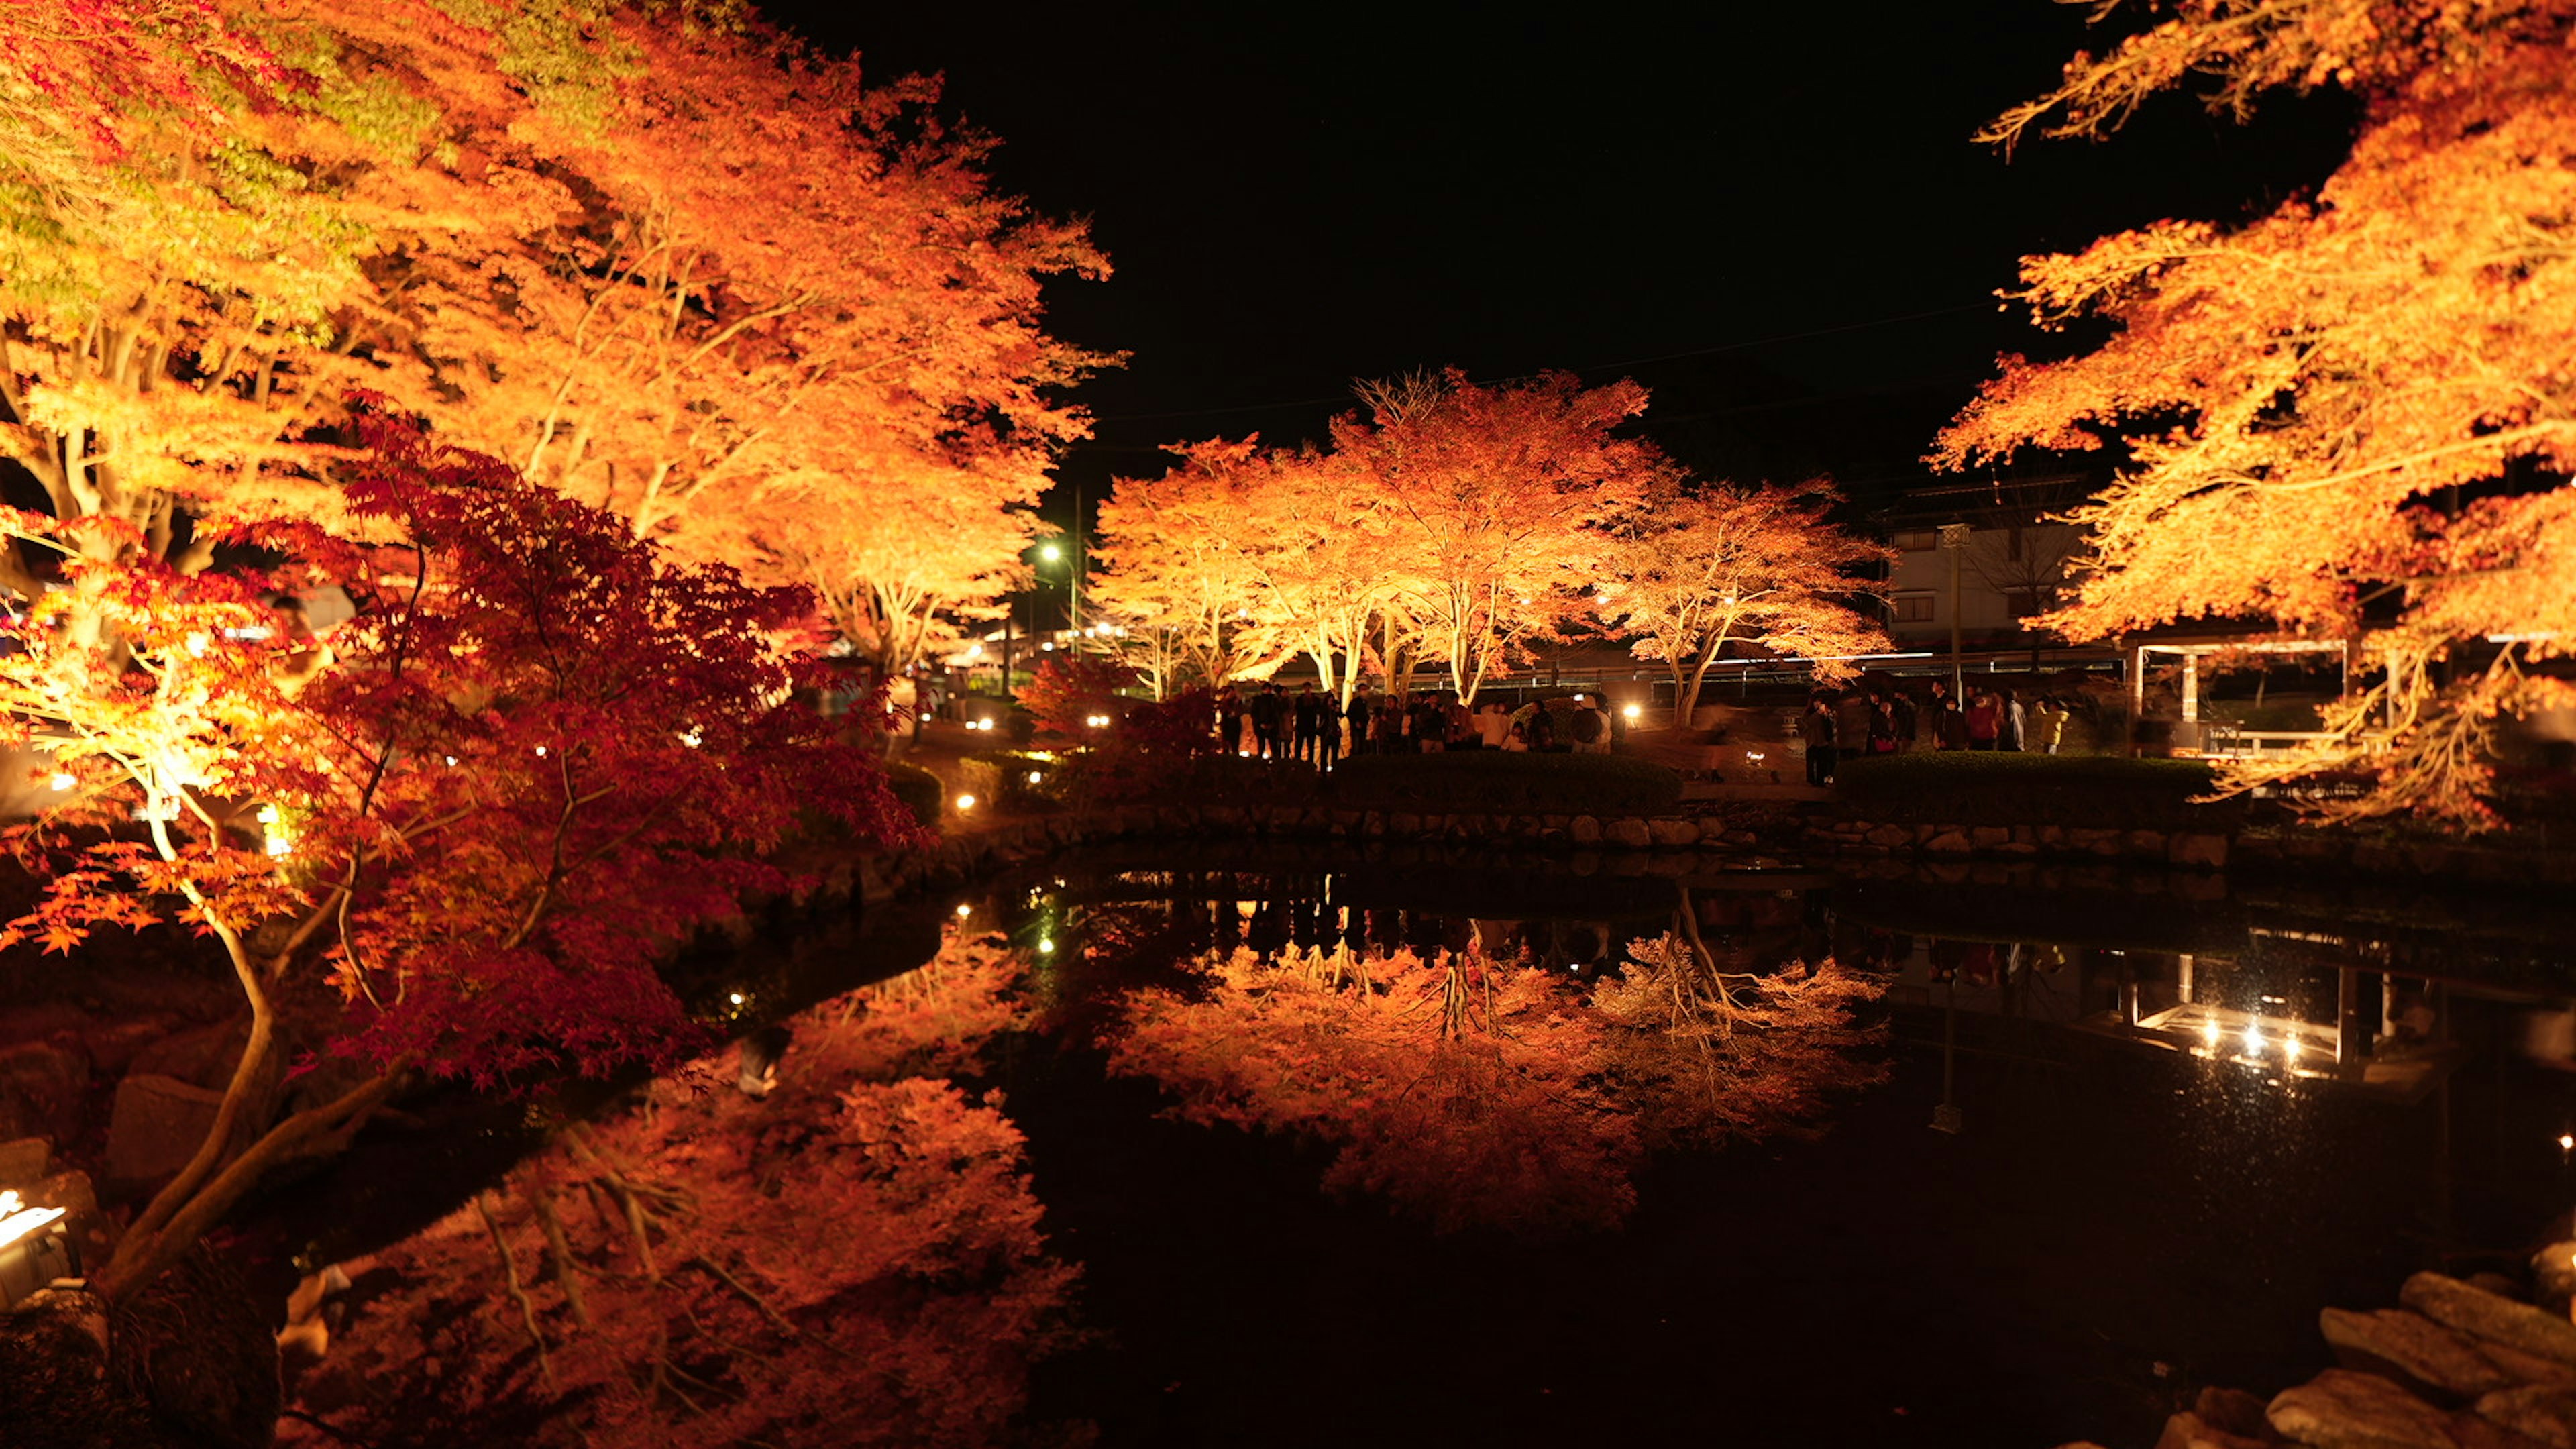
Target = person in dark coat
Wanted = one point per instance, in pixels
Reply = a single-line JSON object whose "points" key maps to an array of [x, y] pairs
{"points": [[1358, 712], [1270, 722]]}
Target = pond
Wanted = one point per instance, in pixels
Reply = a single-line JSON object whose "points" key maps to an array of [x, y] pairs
{"points": [[2132, 1132]]}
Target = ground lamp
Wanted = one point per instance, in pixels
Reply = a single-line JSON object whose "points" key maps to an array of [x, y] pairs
{"points": [[34, 1250]]}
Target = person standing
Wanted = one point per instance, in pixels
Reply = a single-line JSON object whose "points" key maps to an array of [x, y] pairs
{"points": [[1357, 713], [1949, 725], [1816, 728], [1307, 723], [2015, 722], [1985, 722], [1908, 721], [2051, 715], [1229, 721], [1269, 721]]}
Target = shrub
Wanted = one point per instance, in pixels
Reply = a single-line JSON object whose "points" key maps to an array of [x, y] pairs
{"points": [[919, 790], [1501, 782], [2007, 787]]}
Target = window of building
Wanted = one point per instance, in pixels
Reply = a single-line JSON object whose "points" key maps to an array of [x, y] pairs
{"points": [[1913, 608], [1916, 540]]}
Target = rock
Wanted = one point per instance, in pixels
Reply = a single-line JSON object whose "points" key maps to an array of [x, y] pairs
{"points": [[24, 1160], [2481, 1314], [1948, 842], [1672, 832], [2198, 850], [2543, 1413], [42, 1086], [2340, 1409], [2098, 842], [2412, 1349], [1627, 832], [2149, 843], [1745, 839], [1987, 837], [156, 1127], [2235, 1411], [2553, 1270], [2191, 1431], [1890, 836], [1585, 830]]}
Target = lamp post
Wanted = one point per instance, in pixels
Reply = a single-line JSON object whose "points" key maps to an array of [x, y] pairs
{"points": [[1954, 542]]}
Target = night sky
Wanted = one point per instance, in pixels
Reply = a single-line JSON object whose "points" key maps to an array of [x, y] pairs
{"points": [[1772, 216]]}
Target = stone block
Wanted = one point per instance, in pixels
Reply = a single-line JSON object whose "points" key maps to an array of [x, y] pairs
{"points": [[1949, 842], [156, 1127], [42, 1087], [2197, 850], [2191, 1431], [2412, 1349], [2541, 1412], [1987, 837], [1585, 830], [1891, 836], [1665, 832], [2340, 1409], [1628, 831], [2483, 1315], [2147, 844], [24, 1161]]}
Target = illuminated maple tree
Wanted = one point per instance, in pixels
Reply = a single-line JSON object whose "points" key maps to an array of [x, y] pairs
{"points": [[1495, 495], [1487, 1094], [595, 241], [1696, 571], [2352, 418], [543, 756], [854, 1259]]}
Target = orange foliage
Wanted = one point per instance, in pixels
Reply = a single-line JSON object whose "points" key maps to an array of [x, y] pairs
{"points": [[1695, 572], [1477, 1094], [2363, 398], [853, 1260]]}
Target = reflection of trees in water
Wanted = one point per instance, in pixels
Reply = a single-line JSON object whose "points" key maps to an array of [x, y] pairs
{"points": [[1476, 1091], [853, 1260]]}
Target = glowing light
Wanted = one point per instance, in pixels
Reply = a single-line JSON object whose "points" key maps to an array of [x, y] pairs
{"points": [[63, 782], [267, 815], [1632, 711], [1046, 944], [17, 1220], [1035, 777], [279, 845], [965, 802], [925, 716], [695, 738], [451, 759], [1049, 646], [1050, 552], [2291, 1046], [2567, 1141], [735, 997], [2253, 1038], [964, 910], [541, 752], [2209, 1031]]}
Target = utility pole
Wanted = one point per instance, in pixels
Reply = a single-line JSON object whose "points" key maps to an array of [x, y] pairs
{"points": [[1075, 582], [1954, 542]]}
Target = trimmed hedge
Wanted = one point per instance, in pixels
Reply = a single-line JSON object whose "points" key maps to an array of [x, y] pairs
{"points": [[1501, 782], [919, 790], [2007, 787]]}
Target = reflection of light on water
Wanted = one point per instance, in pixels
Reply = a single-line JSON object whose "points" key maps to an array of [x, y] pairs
{"points": [[2209, 1031], [2254, 1039]]}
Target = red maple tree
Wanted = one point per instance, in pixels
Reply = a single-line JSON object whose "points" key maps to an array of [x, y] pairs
{"points": [[542, 756]]}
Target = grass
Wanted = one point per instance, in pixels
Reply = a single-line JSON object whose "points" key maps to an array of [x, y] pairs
{"points": [[2010, 788]]}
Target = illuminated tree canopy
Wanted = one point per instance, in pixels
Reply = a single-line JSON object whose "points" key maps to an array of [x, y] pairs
{"points": [[2353, 417]]}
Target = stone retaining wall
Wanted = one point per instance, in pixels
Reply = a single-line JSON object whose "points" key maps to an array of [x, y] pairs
{"points": [[1811, 834]]}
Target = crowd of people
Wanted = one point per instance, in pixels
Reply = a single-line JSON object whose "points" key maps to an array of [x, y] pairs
{"points": [[1880, 721], [1310, 726]]}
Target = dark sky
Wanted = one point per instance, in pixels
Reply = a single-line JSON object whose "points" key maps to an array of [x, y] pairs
{"points": [[1771, 215]]}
